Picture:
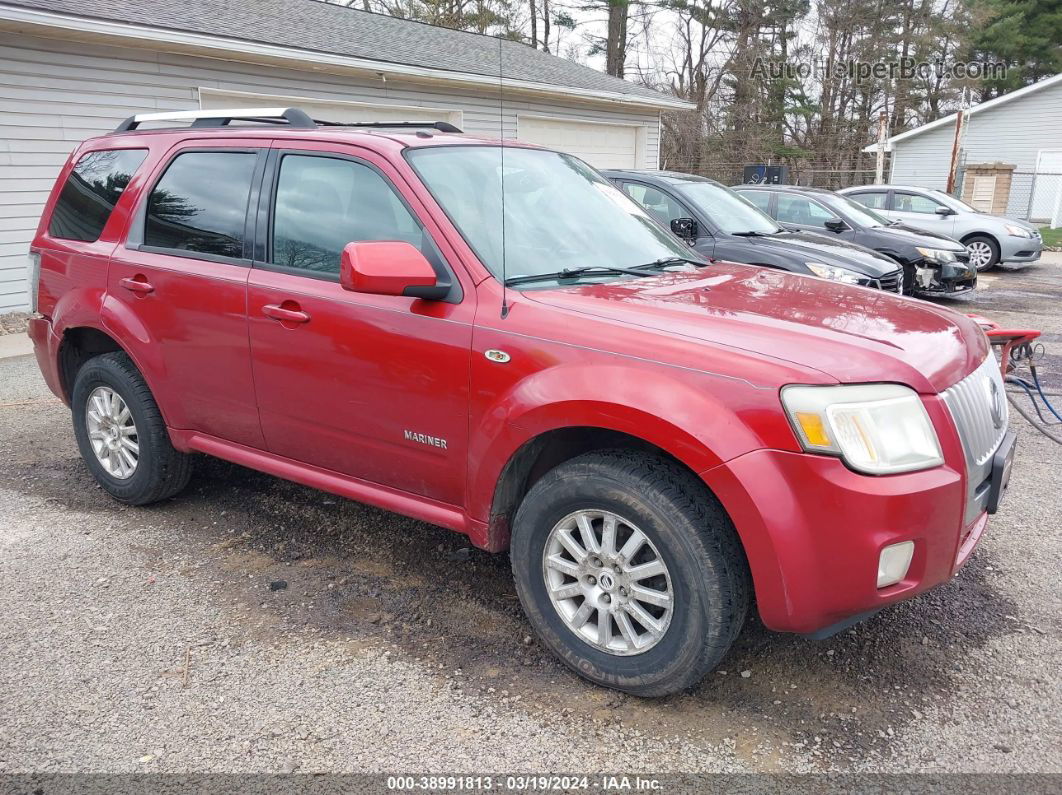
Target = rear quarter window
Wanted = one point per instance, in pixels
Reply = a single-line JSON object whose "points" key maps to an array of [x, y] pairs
{"points": [[91, 191]]}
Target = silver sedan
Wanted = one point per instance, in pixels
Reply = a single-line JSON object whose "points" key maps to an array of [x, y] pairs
{"points": [[990, 239]]}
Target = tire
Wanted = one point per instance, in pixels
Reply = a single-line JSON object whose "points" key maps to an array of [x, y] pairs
{"points": [[687, 530], [160, 471], [984, 252]]}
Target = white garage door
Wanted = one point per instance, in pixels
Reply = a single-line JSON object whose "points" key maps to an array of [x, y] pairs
{"points": [[600, 145], [327, 110]]}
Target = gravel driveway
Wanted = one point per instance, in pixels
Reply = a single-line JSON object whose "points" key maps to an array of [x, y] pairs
{"points": [[254, 625]]}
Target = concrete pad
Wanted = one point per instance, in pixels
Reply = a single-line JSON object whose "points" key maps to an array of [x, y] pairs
{"points": [[15, 345]]}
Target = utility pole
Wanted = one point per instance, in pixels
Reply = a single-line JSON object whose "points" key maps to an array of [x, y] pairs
{"points": [[956, 149], [883, 125]]}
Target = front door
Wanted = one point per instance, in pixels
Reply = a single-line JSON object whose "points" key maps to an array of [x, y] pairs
{"points": [[920, 211], [371, 386], [182, 274], [800, 212]]}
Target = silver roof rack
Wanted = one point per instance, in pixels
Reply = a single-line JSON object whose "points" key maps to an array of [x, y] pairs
{"points": [[291, 117], [219, 118]]}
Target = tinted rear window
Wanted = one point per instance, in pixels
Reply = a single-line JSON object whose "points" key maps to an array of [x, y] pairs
{"points": [[91, 191], [200, 204]]}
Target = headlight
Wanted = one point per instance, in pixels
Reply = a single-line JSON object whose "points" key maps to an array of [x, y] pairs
{"points": [[1017, 231], [879, 429], [834, 272], [936, 254]]}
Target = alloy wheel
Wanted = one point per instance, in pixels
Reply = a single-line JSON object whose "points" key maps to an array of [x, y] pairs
{"points": [[980, 254], [608, 582], [112, 432]]}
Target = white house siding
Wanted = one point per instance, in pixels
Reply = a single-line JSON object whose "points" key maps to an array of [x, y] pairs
{"points": [[55, 93], [1013, 132]]}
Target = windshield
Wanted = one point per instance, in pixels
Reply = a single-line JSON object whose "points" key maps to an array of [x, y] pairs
{"points": [[732, 213], [558, 212], [952, 202], [854, 210]]}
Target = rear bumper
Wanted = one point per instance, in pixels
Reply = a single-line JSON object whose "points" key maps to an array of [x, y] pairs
{"points": [[46, 349], [813, 531]]}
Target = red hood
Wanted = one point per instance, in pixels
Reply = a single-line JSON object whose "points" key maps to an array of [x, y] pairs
{"points": [[853, 334]]}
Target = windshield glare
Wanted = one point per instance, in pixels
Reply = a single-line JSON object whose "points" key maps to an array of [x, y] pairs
{"points": [[732, 213], [558, 212]]}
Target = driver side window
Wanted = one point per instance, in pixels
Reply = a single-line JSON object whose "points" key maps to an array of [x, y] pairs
{"points": [[798, 210], [658, 204], [913, 203], [323, 203]]}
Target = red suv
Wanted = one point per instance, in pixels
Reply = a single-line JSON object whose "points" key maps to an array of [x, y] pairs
{"points": [[495, 340]]}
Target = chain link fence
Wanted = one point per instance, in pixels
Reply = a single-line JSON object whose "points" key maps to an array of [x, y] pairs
{"points": [[1036, 197], [805, 174]]}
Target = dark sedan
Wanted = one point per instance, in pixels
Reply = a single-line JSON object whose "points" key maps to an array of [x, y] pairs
{"points": [[933, 264], [719, 223]]}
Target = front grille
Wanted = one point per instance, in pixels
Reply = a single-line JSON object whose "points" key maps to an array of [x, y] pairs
{"points": [[892, 282], [978, 406]]}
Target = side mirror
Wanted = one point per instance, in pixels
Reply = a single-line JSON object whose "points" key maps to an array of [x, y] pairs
{"points": [[836, 225], [686, 228], [388, 267], [943, 211]]}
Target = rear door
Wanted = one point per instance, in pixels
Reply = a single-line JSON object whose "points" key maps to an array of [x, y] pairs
{"points": [[181, 278], [371, 386]]}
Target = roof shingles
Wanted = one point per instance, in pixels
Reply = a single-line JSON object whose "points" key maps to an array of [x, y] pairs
{"points": [[315, 26]]}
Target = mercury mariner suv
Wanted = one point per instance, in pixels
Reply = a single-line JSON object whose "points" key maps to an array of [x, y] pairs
{"points": [[496, 340]]}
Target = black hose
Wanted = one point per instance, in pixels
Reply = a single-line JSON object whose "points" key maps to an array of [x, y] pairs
{"points": [[1042, 429]]}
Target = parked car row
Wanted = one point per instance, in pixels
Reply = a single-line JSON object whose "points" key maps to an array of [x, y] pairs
{"points": [[838, 236]]}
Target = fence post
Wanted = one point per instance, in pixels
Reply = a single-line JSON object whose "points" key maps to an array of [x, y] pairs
{"points": [[1032, 195]]}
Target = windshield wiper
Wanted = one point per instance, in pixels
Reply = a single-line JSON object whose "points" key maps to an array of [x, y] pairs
{"points": [[753, 233], [663, 262], [571, 273]]}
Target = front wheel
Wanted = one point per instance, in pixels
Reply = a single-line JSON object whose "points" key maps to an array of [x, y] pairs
{"points": [[630, 571], [983, 251]]}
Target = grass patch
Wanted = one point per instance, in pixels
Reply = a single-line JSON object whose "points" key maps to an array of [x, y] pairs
{"points": [[1052, 237]]}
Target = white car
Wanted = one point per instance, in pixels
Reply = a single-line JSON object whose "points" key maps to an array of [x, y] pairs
{"points": [[990, 239]]}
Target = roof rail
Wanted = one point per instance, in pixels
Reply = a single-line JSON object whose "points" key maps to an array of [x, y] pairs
{"points": [[292, 117], [441, 126], [219, 118]]}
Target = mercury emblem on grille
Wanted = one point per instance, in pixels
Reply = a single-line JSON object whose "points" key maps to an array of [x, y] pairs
{"points": [[996, 404]]}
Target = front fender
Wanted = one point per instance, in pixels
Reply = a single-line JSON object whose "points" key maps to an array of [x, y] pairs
{"points": [[701, 420]]}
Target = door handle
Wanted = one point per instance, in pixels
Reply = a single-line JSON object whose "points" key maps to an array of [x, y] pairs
{"points": [[137, 284], [285, 314]]}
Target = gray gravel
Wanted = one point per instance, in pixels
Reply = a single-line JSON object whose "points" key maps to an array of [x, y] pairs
{"points": [[384, 644]]}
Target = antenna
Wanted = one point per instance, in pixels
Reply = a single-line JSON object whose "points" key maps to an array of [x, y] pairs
{"points": [[501, 150]]}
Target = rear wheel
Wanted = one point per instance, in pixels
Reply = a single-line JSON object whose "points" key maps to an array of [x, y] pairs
{"points": [[983, 251], [121, 434], [630, 571]]}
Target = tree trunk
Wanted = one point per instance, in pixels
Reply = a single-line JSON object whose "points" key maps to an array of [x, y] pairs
{"points": [[616, 44], [534, 24], [545, 25]]}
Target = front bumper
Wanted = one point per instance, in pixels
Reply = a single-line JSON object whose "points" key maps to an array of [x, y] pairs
{"points": [[1020, 249], [813, 531], [933, 278]]}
